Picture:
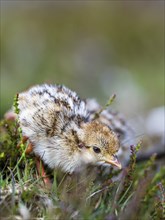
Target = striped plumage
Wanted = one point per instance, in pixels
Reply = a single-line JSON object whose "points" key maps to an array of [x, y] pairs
{"points": [[61, 128]]}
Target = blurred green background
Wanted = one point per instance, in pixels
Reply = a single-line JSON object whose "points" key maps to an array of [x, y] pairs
{"points": [[94, 47]]}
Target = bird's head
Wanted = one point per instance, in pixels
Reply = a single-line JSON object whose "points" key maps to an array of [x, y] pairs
{"points": [[99, 144]]}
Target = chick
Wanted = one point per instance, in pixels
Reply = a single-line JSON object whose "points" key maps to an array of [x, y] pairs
{"points": [[58, 125]]}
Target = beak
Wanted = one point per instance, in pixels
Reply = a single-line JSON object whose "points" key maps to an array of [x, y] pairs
{"points": [[114, 161]]}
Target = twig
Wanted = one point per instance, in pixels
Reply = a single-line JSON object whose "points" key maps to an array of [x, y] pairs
{"points": [[110, 101]]}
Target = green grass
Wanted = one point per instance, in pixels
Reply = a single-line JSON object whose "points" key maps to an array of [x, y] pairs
{"points": [[136, 192]]}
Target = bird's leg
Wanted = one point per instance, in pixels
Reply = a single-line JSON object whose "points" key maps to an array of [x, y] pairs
{"points": [[39, 165], [42, 173]]}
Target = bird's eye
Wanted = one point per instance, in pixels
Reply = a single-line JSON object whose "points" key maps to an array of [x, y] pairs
{"points": [[96, 150]]}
